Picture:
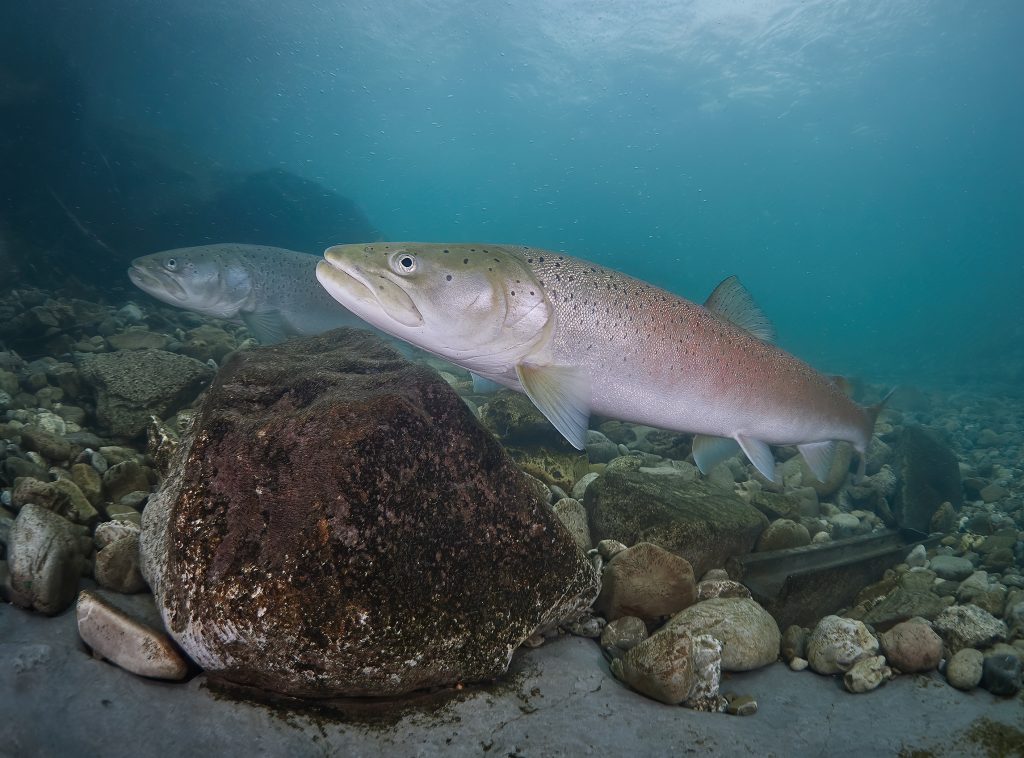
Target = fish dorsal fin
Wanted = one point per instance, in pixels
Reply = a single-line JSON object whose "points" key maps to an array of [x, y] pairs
{"points": [[708, 452], [562, 393], [759, 454], [819, 457], [731, 301], [266, 326]]}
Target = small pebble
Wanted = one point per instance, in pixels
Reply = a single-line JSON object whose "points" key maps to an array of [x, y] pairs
{"points": [[743, 705], [798, 664]]}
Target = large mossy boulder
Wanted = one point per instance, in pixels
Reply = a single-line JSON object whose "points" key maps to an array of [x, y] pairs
{"points": [[703, 523], [337, 523]]}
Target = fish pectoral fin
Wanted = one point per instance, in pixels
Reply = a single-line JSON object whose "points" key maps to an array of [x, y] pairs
{"points": [[819, 457], [733, 302], [759, 454], [708, 452], [562, 393], [266, 326], [483, 386]]}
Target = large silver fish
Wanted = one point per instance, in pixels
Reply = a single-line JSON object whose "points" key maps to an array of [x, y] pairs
{"points": [[271, 289], [579, 338]]}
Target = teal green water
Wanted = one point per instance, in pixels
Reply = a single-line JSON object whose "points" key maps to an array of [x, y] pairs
{"points": [[859, 165]]}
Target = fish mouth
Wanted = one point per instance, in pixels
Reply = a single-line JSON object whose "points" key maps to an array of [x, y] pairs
{"points": [[156, 283], [365, 294]]}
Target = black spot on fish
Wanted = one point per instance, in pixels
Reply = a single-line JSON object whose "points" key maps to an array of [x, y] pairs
{"points": [[445, 251], [449, 276], [513, 293], [465, 260], [541, 259], [531, 292], [529, 260]]}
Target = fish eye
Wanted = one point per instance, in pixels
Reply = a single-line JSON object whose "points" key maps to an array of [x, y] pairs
{"points": [[171, 264], [403, 263]]}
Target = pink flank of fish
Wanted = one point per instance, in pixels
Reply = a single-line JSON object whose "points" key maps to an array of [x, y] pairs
{"points": [[579, 338]]}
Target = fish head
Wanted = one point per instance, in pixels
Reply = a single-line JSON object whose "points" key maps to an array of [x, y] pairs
{"points": [[479, 306], [202, 279]]}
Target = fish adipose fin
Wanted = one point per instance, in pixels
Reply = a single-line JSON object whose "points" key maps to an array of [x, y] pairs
{"points": [[708, 452], [760, 455], [266, 326], [562, 393], [733, 302], [819, 457]]}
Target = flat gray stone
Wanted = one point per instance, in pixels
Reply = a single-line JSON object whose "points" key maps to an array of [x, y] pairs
{"points": [[951, 567]]}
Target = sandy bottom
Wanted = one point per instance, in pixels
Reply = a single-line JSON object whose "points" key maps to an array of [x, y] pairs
{"points": [[560, 699]]}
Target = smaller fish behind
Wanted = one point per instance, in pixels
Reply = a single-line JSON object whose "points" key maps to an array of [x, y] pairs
{"points": [[272, 290]]}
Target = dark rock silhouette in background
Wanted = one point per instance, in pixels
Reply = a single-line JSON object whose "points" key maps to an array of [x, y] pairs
{"points": [[82, 199]]}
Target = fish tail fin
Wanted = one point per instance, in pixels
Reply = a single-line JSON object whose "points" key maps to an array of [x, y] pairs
{"points": [[871, 413]]}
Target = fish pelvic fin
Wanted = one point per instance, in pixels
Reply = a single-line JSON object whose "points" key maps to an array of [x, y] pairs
{"points": [[708, 451], [819, 457], [871, 414], [760, 454]]}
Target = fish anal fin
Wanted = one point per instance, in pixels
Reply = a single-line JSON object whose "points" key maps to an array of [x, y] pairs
{"points": [[562, 394], [760, 454], [733, 302], [819, 457], [708, 451], [266, 326]]}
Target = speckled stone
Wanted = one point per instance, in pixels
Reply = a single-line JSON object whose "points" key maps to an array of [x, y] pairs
{"points": [[968, 626], [338, 523], [748, 633], [867, 674], [837, 643], [672, 666]]}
